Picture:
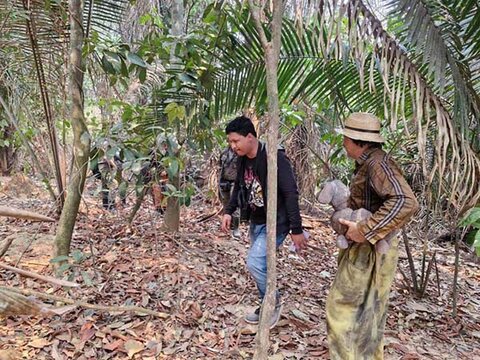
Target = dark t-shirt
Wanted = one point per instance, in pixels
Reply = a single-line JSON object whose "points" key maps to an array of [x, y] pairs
{"points": [[255, 193]]}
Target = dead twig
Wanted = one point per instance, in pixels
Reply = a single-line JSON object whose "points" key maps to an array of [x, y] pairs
{"points": [[39, 277], [209, 216], [187, 249], [8, 242], [410, 261], [12, 303], [23, 214], [87, 305], [438, 277], [427, 275]]}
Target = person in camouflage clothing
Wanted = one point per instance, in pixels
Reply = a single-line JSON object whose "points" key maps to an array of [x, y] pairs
{"points": [[228, 174], [109, 171], [357, 302]]}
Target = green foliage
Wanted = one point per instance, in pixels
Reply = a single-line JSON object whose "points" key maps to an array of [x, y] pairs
{"points": [[8, 137], [175, 112], [71, 266], [472, 218], [116, 59], [184, 194]]}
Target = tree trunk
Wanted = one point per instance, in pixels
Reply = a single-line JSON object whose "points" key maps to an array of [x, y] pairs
{"points": [[172, 212], [81, 137], [272, 51], [7, 150], [8, 154]]}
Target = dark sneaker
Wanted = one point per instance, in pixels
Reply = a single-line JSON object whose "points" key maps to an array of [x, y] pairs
{"points": [[253, 318]]}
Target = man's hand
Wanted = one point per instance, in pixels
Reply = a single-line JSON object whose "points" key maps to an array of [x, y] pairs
{"points": [[300, 242], [226, 222], [352, 233]]}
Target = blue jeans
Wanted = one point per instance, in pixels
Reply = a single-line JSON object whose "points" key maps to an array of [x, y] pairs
{"points": [[257, 255]]}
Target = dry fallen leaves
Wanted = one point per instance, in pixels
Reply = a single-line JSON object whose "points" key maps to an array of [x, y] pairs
{"points": [[133, 347]]}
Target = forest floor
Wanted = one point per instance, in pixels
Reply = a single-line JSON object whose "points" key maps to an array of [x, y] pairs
{"points": [[198, 279]]}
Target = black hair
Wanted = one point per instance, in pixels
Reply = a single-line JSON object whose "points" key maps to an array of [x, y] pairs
{"points": [[241, 125], [370, 144]]}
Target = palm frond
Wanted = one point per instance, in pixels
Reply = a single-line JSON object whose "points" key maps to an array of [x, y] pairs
{"points": [[351, 66], [429, 110]]}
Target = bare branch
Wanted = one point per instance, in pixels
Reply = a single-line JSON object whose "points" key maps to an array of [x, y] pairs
{"points": [[23, 214], [85, 304], [49, 279]]}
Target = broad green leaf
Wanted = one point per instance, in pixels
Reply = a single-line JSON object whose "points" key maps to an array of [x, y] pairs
{"points": [[86, 278], [142, 75], [170, 189], [107, 66], [135, 59], [77, 256], [58, 259], [471, 217], [62, 268], [112, 152], [173, 168]]}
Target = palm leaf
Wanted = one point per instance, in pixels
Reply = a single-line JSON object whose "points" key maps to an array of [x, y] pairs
{"points": [[373, 73]]}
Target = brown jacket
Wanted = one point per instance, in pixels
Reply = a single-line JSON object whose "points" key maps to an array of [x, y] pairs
{"points": [[378, 185]]}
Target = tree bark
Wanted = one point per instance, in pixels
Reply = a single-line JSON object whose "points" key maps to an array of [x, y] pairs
{"points": [[272, 51], [172, 211], [16, 304], [81, 136]]}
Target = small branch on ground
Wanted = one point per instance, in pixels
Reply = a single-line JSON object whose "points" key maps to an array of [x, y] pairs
{"points": [[39, 277], [187, 249], [209, 216], [23, 214], [8, 242], [87, 305]]}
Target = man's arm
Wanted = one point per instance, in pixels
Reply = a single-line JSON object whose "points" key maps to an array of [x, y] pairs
{"points": [[399, 206]]}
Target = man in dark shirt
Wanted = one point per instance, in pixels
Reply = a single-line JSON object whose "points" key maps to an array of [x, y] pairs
{"points": [[250, 194]]}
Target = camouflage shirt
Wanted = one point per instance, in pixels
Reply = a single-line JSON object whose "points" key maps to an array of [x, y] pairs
{"points": [[379, 186], [228, 165]]}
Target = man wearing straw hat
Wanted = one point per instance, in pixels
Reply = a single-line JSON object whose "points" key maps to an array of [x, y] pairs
{"points": [[357, 302]]}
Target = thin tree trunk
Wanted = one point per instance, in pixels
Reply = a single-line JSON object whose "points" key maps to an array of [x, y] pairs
{"points": [[172, 211], [455, 273], [81, 137], [272, 51], [32, 33]]}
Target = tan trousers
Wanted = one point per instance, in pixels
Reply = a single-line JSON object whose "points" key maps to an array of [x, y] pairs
{"points": [[358, 300]]}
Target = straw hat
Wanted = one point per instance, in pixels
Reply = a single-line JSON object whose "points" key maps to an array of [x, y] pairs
{"points": [[362, 126]]}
